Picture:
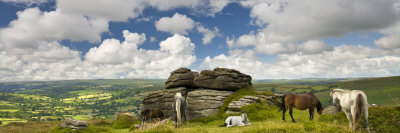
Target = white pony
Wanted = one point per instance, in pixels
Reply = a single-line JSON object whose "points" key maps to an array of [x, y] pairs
{"points": [[353, 103], [237, 121], [179, 106]]}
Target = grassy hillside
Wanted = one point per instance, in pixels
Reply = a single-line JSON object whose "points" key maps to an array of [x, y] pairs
{"points": [[382, 91]]}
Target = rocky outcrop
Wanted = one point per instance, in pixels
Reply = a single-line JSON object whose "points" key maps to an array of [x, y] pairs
{"points": [[331, 110], [205, 92], [245, 100], [205, 102], [222, 79], [235, 106], [74, 124], [162, 100], [182, 77]]}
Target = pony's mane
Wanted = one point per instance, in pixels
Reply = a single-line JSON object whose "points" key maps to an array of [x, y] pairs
{"points": [[339, 90]]}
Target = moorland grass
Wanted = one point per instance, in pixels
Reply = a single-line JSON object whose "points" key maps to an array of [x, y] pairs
{"points": [[385, 119]]}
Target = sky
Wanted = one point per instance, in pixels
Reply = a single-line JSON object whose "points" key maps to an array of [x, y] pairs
{"points": [[43, 40]]}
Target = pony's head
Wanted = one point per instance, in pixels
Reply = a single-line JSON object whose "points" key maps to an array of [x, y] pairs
{"points": [[244, 117], [335, 96], [319, 108]]}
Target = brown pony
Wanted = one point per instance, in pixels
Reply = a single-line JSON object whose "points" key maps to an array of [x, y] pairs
{"points": [[301, 102], [152, 113]]}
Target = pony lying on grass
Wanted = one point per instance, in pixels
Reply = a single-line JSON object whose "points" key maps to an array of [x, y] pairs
{"points": [[353, 103], [301, 102], [237, 120]]}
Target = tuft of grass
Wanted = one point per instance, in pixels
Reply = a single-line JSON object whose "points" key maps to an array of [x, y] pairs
{"points": [[124, 121], [168, 128], [258, 112], [86, 130], [336, 118]]}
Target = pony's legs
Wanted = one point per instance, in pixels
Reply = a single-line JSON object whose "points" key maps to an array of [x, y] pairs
{"points": [[311, 113], [290, 112], [353, 114], [283, 113], [143, 122], [348, 114], [366, 118], [176, 121]]}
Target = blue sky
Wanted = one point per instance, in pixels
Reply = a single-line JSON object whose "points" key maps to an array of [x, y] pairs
{"points": [[71, 39]]}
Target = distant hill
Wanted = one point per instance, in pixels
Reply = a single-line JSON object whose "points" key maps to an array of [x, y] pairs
{"points": [[382, 91]]}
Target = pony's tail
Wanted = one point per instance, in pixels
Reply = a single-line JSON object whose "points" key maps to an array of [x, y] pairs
{"points": [[178, 110], [358, 109], [283, 106]]}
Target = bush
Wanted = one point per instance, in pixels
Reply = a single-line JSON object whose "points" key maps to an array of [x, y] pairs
{"points": [[124, 121]]}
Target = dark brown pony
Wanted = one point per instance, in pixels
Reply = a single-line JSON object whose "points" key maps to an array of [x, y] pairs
{"points": [[301, 102], [151, 113]]}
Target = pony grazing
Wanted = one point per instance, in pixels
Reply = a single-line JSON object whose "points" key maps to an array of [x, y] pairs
{"points": [[179, 106], [152, 113], [237, 120], [301, 102], [353, 103]]}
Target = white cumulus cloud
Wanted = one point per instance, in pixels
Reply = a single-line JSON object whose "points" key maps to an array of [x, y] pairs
{"points": [[33, 25], [283, 23], [208, 34], [178, 23]]}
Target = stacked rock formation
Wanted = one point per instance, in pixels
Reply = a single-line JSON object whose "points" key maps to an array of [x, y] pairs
{"points": [[205, 92], [222, 79]]}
